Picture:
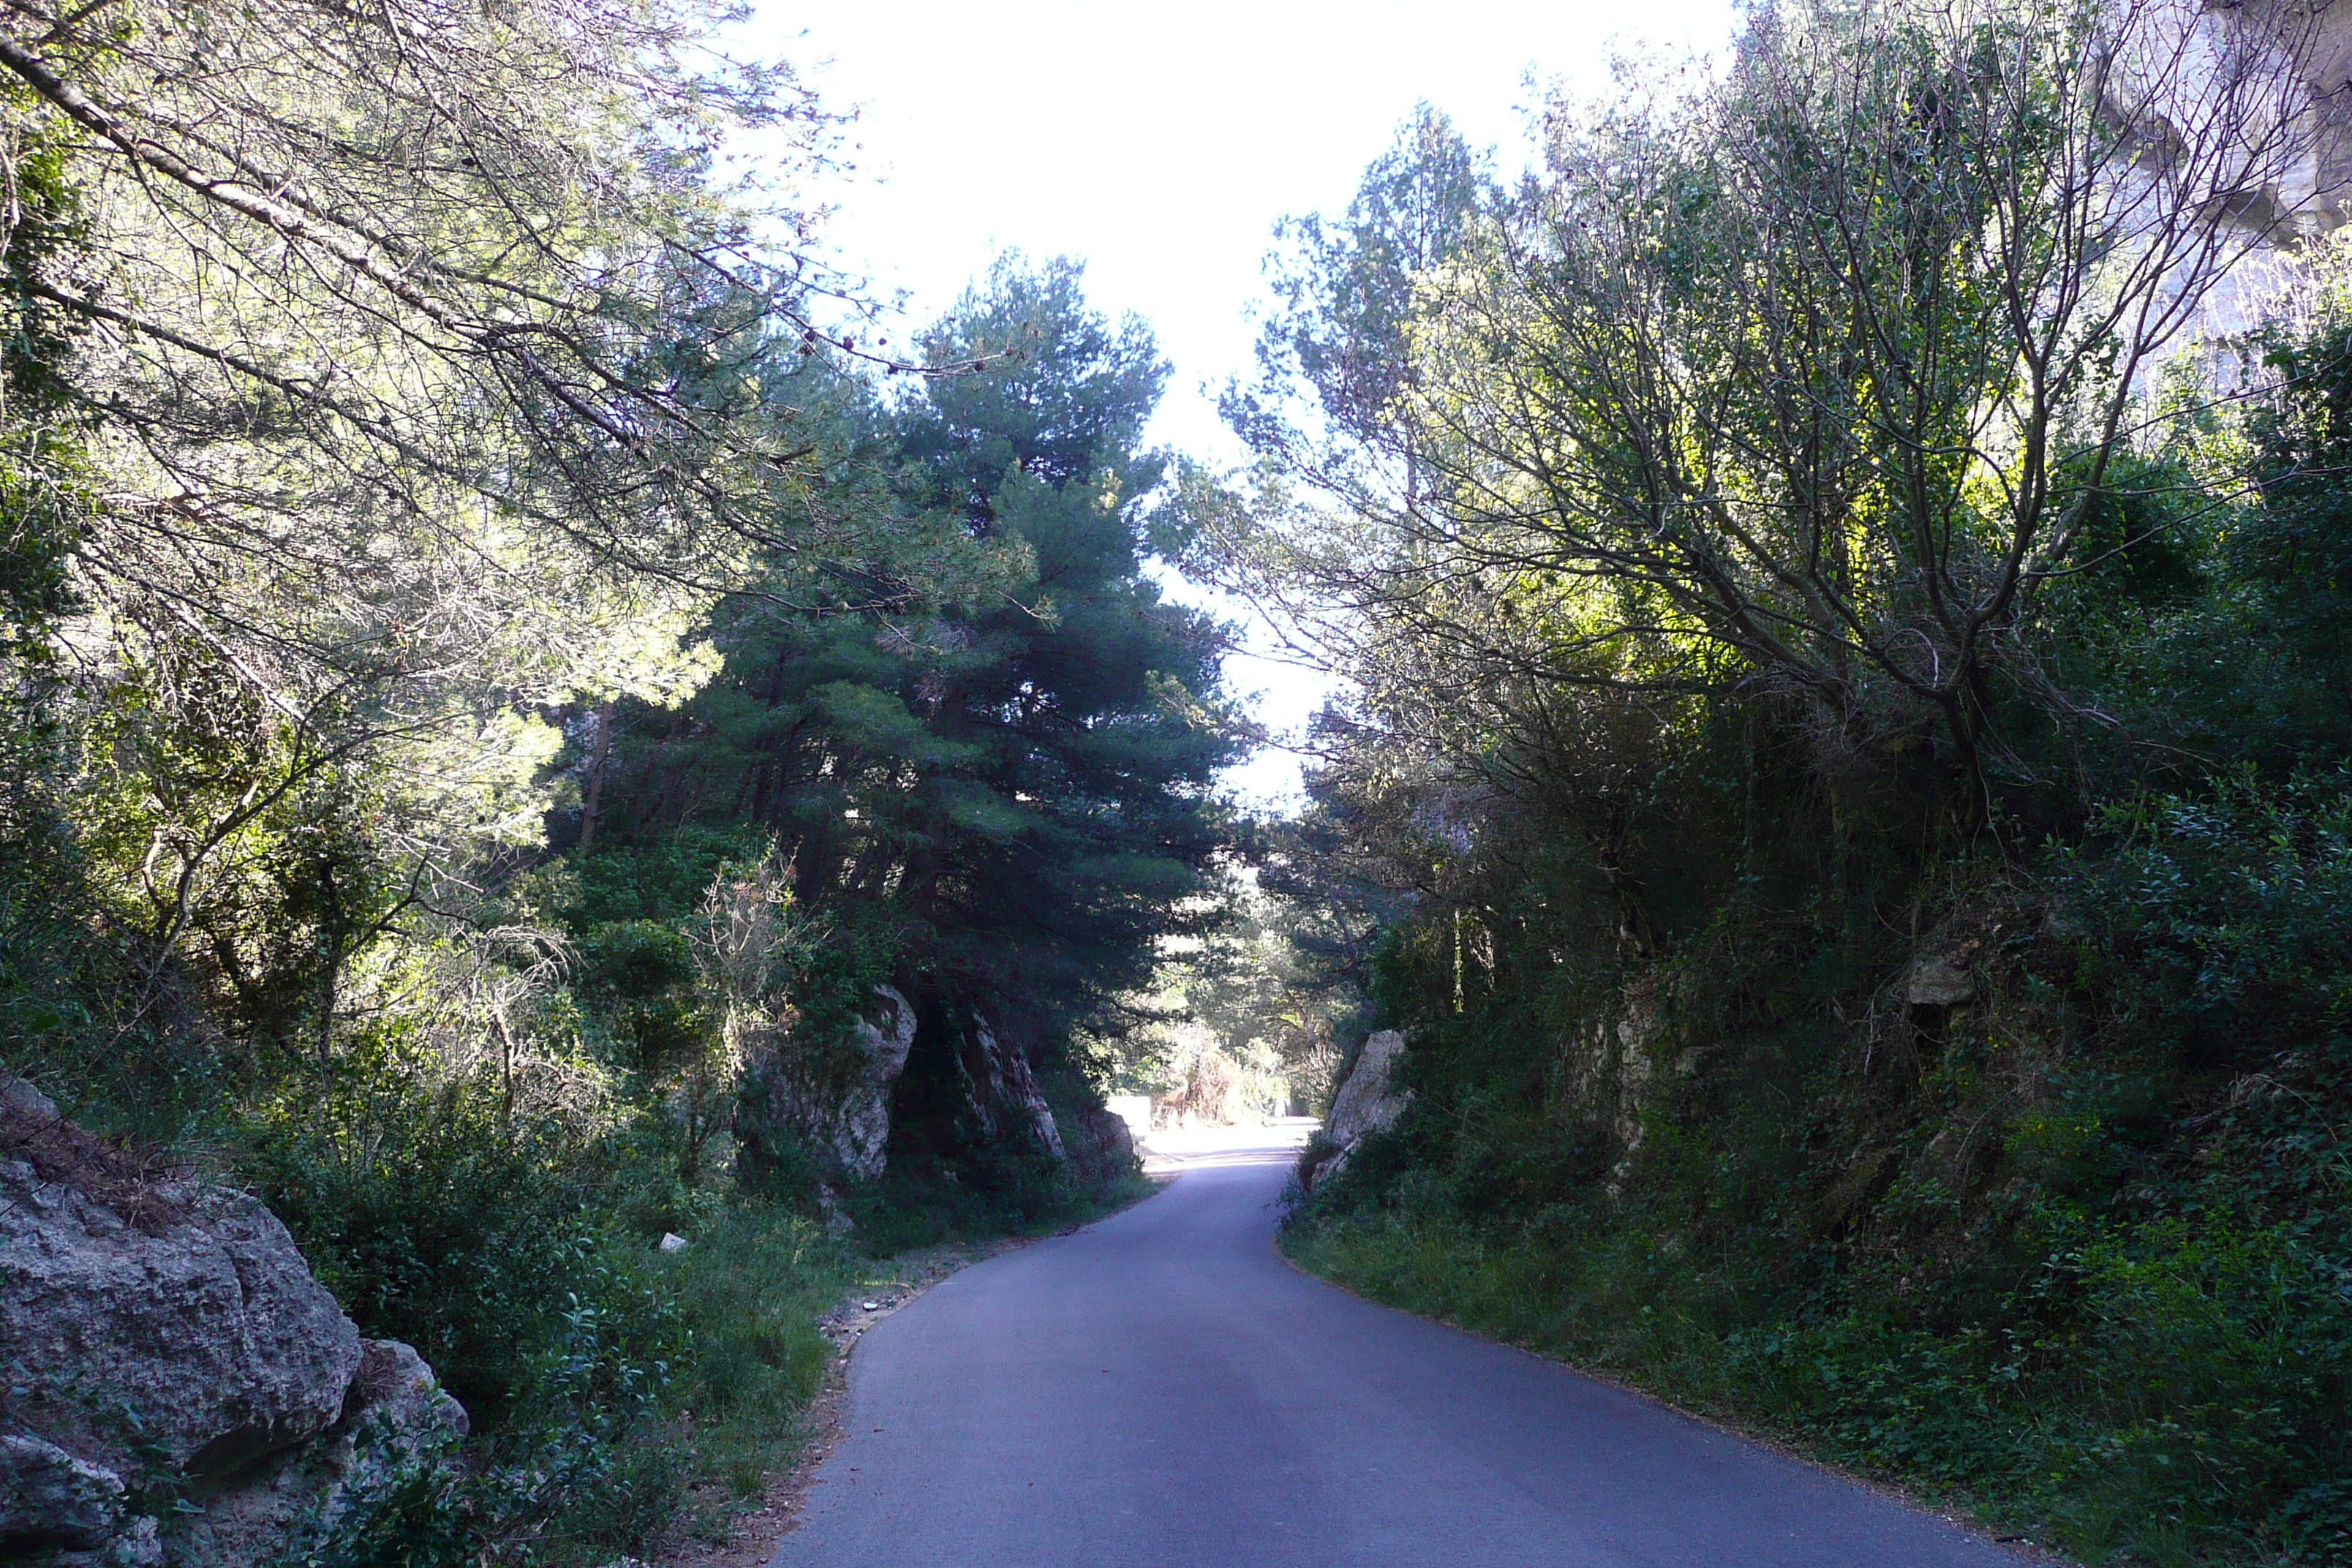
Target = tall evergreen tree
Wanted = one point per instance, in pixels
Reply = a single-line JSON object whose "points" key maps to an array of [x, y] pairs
{"points": [[1013, 793]]}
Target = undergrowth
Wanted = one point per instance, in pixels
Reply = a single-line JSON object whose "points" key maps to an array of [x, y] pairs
{"points": [[2073, 1251]]}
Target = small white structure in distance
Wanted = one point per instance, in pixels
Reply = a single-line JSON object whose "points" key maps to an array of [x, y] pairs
{"points": [[1135, 1110]]}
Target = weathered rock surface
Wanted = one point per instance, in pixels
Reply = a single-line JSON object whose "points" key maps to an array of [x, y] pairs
{"points": [[2280, 67], [1101, 1146], [1938, 980], [1367, 1102], [833, 1098], [164, 1333], [1004, 1092], [394, 1417], [170, 1324], [48, 1498], [864, 1129]]}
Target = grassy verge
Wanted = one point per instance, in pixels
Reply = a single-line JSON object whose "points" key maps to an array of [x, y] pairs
{"points": [[752, 1290], [1957, 1426], [898, 1215], [653, 1403], [756, 1289]]}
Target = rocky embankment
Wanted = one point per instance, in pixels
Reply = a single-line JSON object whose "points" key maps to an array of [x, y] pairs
{"points": [[1367, 1102], [181, 1390], [834, 1101]]}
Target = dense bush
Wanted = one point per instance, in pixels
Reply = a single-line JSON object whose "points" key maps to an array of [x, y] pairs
{"points": [[2077, 1252]]}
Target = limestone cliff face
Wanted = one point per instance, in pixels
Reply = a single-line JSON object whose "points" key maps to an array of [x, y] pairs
{"points": [[2249, 101], [1367, 1102], [2276, 73], [832, 1097], [163, 1335], [1003, 1091]]}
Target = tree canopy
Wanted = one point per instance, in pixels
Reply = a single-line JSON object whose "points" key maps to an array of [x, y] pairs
{"points": [[1018, 788]]}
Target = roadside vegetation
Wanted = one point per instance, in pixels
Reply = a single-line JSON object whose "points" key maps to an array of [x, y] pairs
{"points": [[1848, 796], [1842, 576], [501, 651]]}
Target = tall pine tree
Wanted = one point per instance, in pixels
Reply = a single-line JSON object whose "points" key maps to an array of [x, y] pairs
{"points": [[1005, 801]]}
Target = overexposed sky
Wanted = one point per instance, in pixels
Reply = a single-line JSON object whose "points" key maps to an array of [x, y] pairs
{"points": [[1159, 145]]}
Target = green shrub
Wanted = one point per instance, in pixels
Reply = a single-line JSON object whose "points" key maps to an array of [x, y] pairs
{"points": [[432, 1217]]}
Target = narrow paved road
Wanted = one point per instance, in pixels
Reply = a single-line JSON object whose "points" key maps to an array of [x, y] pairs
{"points": [[1161, 1388]]}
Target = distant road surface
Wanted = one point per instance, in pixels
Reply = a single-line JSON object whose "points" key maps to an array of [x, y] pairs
{"points": [[1163, 1389]]}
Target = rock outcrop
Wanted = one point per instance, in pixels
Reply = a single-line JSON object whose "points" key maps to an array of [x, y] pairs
{"points": [[2271, 73], [50, 1499], [1367, 1102], [1938, 980], [394, 1417], [864, 1129], [163, 1335], [1101, 1147], [1003, 1094], [832, 1097]]}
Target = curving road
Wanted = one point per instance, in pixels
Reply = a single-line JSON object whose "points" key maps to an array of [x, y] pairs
{"points": [[1162, 1388]]}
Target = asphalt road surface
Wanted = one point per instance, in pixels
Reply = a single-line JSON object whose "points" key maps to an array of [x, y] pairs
{"points": [[1162, 1388]]}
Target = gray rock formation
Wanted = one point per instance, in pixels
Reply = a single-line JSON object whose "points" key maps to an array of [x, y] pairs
{"points": [[164, 1333], [186, 1334], [1938, 980], [832, 1097], [2273, 74], [863, 1130], [48, 1498], [2259, 86], [1101, 1147], [395, 1417], [1004, 1092], [1367, 1102]]}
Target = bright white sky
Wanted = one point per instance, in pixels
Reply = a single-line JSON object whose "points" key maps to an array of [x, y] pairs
{"points": [[1159, 145]]}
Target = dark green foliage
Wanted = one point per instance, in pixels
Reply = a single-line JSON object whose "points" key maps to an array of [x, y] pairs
{"points": [[2070, 1249], [1013, 793], [2077, 1260], [2298, 549], [434, 1219], [39, 441], [271, 892], [999, 806], [593, 1461], [420, 1520], [478, 1121], [663, 879]]}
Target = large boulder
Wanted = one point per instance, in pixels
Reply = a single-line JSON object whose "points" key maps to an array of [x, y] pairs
{"points": [[163, 1334], [1367, 1102], [1101, 1147], [832, 1098], [165, 1322], [394, 1417]]}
